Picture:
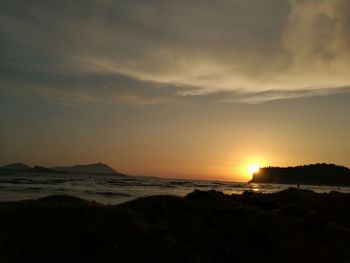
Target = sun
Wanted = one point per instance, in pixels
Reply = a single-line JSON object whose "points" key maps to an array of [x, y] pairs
{"points": [[254, 168]]}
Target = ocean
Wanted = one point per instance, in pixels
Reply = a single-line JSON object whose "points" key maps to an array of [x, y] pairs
{"points": [[114, 189]]}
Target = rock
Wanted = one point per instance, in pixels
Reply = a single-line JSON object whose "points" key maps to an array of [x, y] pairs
{"points": [[290, 226]]}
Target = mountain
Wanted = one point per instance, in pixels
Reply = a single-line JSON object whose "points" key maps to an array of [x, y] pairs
{"points": [[41, 169], [313, 174], [97, 168], [16, 166]]}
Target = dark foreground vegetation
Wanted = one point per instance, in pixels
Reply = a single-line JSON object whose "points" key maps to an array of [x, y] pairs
{"points": [[290, 226]]}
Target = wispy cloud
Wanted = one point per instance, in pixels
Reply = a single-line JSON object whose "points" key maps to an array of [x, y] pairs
{"points": [[271, 95], [161, 50]]}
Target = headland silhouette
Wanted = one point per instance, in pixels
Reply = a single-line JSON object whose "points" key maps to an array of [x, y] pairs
{"points": [[313, 174]]}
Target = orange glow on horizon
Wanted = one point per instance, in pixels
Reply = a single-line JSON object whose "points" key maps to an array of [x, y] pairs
{"points": [[254, 168], [251, 166]]}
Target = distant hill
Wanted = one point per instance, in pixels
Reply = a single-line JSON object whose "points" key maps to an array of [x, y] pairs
{"points": [[97, 168], [41, 169], [16, 166], [317, 174]]}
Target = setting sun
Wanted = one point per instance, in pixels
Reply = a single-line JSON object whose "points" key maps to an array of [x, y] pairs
{"points": [[252, 169]]}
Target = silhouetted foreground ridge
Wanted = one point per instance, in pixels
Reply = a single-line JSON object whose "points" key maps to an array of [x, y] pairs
{"points": [[289, 226], [317, 174]]}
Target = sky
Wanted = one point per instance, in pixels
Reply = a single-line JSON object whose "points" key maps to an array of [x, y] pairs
{"points": [[185, 89]]}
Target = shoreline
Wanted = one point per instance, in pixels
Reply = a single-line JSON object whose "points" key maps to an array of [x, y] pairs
{"points": [[293, 225]]}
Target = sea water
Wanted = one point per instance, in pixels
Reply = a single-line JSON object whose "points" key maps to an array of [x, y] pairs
{"points": [[117, 189]]}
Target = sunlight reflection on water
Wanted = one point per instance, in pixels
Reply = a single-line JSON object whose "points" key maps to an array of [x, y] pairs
{"points": [[114, 190]]}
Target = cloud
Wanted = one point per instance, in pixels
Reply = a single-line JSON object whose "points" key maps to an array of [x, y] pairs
{"points": [[77, 88], [272, 95], [158, 50], [316, 35]]}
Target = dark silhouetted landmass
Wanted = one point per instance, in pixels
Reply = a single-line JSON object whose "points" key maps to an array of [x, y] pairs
{"points": [[16, 167], [289, 226], [41, 169], [97, 168], [314, 174], [91, 169]]}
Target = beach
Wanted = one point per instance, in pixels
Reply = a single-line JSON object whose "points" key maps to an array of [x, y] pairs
{"points": [[292, 225]]}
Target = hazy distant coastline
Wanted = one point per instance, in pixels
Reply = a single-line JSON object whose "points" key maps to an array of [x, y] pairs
{"points": [[312, 174], [92, 169]]}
